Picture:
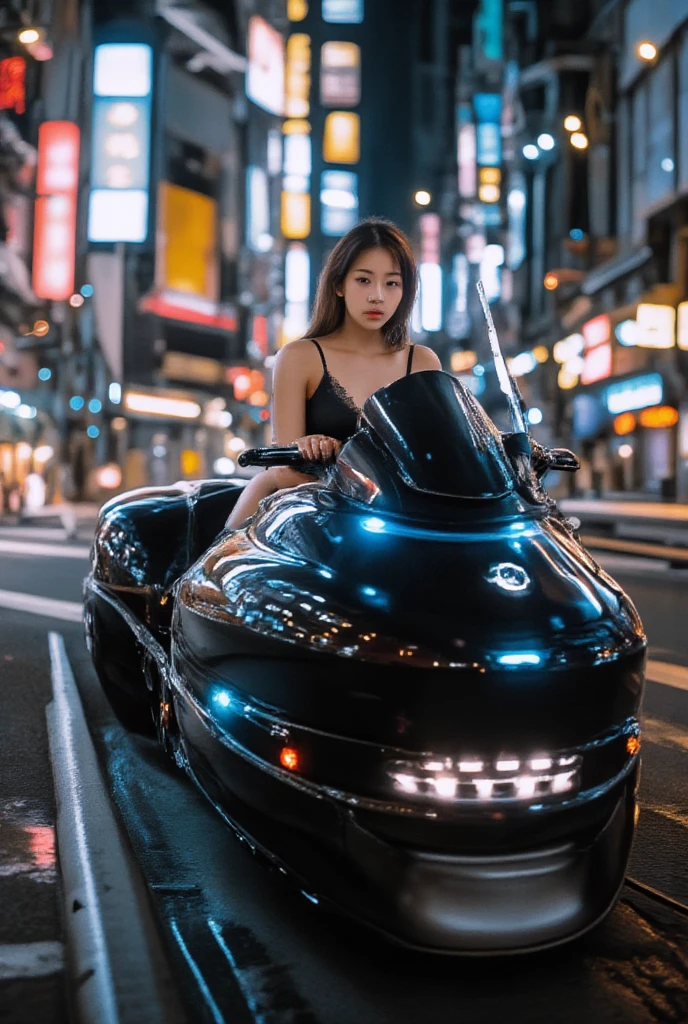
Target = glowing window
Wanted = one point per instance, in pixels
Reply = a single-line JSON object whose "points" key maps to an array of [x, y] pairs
{"points": [[296, 126], [342, 12], [296, 215], [297, 274], [297, 9], [340, 74], [338, 202], [341, 138], [298, 75], [297, 154]]}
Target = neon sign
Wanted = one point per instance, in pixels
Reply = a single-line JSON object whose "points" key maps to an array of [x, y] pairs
{"points": [[13, 84], [54, 245], [120, 156]]}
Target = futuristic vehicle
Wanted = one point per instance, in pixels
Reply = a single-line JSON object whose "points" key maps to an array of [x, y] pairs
{"points": [[407, 683]]}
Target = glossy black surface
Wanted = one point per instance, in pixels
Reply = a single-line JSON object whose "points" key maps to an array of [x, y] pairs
{"points": [[452, 679]]}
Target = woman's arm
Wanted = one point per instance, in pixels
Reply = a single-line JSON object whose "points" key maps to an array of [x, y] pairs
{"points": [[289, 382]]}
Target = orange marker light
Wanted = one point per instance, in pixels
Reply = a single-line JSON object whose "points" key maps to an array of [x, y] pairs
{"points": [[289, 758], [551, 282], [633, 745], [624, 423]]}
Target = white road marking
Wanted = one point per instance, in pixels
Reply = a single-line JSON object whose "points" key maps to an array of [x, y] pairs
{"points": [[667, 674], [70, 611], [664, 734], [628, 563], [25, 547], [31, 960], [33, 532], [198, 974]]}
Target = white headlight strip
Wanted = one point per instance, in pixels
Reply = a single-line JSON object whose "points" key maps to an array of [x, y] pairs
{"points": [[471, 781]]}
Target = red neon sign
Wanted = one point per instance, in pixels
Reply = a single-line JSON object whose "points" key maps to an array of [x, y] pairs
{"points": [[54, 242], [13, 84]]}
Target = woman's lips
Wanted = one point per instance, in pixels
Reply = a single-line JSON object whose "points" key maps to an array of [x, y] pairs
{"points": [[372, 312]]}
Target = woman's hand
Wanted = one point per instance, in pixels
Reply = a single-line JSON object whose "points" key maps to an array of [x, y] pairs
{"points": [[318, 448]]}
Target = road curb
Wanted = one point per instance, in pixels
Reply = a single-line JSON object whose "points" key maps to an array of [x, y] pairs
{"points": [[116, 967]]}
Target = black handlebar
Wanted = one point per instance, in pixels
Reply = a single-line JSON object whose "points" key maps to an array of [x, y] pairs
{"points": [[289, 455]]}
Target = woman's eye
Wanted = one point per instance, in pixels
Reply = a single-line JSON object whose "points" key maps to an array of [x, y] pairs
{"points": [[363, 280], [395, 283]]}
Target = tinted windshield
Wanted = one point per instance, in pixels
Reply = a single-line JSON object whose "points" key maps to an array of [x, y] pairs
{"points": [[439, 436]]}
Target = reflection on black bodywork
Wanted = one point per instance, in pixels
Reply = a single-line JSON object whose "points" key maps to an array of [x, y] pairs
{"points": [[410, 671]]}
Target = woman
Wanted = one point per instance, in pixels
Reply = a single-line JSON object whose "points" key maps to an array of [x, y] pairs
{"points": [[357, 342]]}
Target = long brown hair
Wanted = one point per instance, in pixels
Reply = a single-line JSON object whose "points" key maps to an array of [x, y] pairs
{"points": [[329, 308]]}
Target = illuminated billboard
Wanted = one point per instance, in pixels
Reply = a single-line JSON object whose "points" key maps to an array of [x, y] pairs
{"points": [[655, 326], [265, 72], [635, 393], [187, 247], [57, 179], [120, 148]]}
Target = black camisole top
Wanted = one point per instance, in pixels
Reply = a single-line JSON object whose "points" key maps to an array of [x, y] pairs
{"points": [[331, 410]]}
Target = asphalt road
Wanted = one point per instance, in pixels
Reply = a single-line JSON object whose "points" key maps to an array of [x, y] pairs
{"points": [[245, 947]]}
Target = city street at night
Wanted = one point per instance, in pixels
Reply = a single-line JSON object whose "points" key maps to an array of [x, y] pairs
{"points": [[242, 944], [343, 511]]}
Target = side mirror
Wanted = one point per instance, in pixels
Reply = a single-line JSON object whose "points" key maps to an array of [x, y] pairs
{"points": [[544, 459], [563, 460]]}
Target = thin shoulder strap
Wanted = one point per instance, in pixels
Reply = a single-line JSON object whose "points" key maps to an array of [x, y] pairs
{"points": [[322, 354], [410, 359]]}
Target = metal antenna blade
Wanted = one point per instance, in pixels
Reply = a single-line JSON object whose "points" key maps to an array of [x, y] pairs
{"points": [[500, 366]]}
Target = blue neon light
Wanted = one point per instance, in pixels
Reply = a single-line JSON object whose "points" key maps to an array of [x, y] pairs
{"points": [[525, 658], [374, 525]]}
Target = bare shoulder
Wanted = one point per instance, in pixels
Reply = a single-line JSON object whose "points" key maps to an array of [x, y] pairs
{"points": [[425, 359], [297, 357]]}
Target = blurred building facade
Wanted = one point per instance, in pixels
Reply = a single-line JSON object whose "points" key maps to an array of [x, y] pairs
{"points": [[196, 164], [595, 119], [184, 171]]}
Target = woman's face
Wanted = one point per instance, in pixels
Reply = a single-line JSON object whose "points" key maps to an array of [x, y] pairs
{"points": [[372, 289]]}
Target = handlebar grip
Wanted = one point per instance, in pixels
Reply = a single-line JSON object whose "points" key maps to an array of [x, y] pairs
{"points": [[277, 456]]}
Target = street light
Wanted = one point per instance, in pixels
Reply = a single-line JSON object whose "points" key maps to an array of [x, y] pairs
{"points": [[579, 140], [646, 50], [545, 141], [27, 36], [572, 123], [422, 197], [531, 152]]}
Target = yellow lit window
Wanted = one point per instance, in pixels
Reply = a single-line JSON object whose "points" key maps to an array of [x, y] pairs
{"points": [[297, 9], [490, 176], [297, 75], [296, 127], [341, 138], [296, 214]]}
